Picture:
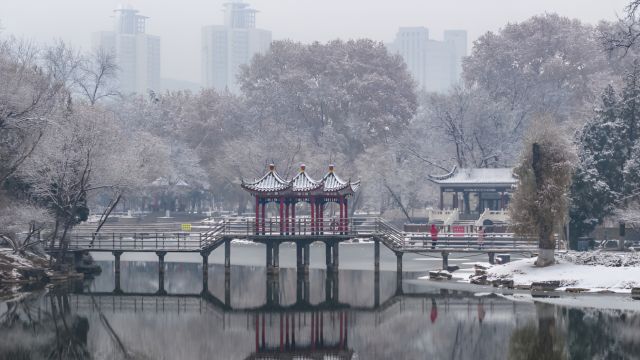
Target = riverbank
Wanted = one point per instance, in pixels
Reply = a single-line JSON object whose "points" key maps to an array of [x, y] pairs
{"points": [[573, 272], [23, 269]]}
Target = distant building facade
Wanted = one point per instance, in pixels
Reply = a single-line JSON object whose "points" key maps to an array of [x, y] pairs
{"points": [[137, 53], [226, 47], [434, 65]]}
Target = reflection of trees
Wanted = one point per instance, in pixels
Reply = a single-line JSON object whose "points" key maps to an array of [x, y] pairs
{"points": [[542, 342], [31, 330], [602, 334]]}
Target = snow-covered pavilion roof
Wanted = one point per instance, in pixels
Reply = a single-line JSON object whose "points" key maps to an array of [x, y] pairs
{"points": [[477, 176], [270, 182], [303, 182], [331, 184]]}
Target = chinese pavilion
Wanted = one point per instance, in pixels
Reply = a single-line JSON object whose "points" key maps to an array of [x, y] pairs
{"points": [[474, 189], [273, 188]]}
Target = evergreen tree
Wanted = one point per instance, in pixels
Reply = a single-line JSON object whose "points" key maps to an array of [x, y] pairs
{"points": [[607, 176], [597, 182]]}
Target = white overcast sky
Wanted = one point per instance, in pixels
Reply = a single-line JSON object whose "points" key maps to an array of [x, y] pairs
{"points": [[179, 22]]}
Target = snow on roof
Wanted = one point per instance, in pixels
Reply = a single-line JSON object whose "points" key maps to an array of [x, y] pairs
{"points": [[332, 182], [271, 181], [302, 182], [492, 176]]}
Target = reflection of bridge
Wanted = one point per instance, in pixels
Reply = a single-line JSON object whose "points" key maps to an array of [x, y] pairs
{"points": [[305, 329], [118, 239]]}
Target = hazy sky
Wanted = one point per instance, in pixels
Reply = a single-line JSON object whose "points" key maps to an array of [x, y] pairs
{"points": [[179, 22]]}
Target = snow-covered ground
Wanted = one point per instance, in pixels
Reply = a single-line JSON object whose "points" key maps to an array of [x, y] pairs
{"points": [[570, 275], [595, 271]]}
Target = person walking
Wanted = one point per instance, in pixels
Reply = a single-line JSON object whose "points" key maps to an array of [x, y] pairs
{"points": [[434, 236], [480, 238]]}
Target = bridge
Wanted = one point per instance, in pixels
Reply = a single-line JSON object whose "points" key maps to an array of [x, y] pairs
{"points": [[210, 234]]}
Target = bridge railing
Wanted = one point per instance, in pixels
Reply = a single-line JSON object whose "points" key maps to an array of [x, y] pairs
{"points": [[175, 241], [299, 227]]}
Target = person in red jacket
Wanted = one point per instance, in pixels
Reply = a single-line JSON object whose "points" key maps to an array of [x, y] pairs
{"points": [[434, 236]]}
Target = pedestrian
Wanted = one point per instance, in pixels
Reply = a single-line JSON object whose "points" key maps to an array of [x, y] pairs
{"points": [[434, 236], [480, 238]]}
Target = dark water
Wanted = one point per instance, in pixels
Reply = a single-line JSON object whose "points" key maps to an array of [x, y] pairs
{"points": [[247, 315]]}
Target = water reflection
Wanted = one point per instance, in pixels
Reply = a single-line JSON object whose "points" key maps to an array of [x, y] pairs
{"points": [[248, 315]]}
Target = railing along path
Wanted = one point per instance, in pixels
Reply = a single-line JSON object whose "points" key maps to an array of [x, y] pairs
{"points": [[212, 233]]}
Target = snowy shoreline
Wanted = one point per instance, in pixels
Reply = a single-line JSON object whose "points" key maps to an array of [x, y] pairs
{"points": [[588, 272]]}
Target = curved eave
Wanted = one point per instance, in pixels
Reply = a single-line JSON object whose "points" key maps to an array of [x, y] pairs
{"points": [[439, 178]]}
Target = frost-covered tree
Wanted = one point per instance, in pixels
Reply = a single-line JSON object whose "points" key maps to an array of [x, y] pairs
{"points": [[606, 179], [541, 199], [353, 91], [546, 64]]}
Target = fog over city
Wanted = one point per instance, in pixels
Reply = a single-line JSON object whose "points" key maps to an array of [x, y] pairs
{"points": [[179, 23]]}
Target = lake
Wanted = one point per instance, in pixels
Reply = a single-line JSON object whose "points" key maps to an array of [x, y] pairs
{"points": [[355, 314]]}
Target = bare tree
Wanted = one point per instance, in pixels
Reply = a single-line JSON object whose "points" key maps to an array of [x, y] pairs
{"points": [[96, 76]]}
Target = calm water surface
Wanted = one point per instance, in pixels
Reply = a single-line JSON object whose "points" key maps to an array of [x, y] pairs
{"points": [[247, 315]]}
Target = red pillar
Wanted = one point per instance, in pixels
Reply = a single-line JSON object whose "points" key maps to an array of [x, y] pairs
{"points": [[264, 206], [341, 218], [257, 215], [293, 217], [321, 211], [313, 214], [281, 216], [345, 228], [286, 218]]}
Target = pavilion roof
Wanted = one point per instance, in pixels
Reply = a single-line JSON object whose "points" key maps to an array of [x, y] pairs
{"points": [[303, 182], [476, 176], [270, 182]]}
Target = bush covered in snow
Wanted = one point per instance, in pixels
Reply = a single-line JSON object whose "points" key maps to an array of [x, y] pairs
{"points": [[602, 258]]}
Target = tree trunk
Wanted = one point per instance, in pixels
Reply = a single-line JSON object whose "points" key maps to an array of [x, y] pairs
{"points": [[546, 241]]}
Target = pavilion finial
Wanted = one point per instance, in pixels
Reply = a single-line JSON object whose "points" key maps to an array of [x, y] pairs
{"points": [[272, 167], [331, 167], [302, 167]]}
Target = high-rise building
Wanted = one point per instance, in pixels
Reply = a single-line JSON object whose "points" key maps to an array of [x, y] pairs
{"points": [[137, 53], [434, 65], [226, 47]]}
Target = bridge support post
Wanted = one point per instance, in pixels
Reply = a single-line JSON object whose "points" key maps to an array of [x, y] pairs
{"points": [[227, 255], [445, 260], [276, 257], [331, 287], [492, 258], [205, 270], [227, 288], [269, 257], [376, 255], [116, 266], [299, 260], [327, 251], [336, 256], [376, 288], [307, 257], [161, 255], [273, 290], [399, 272]]}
